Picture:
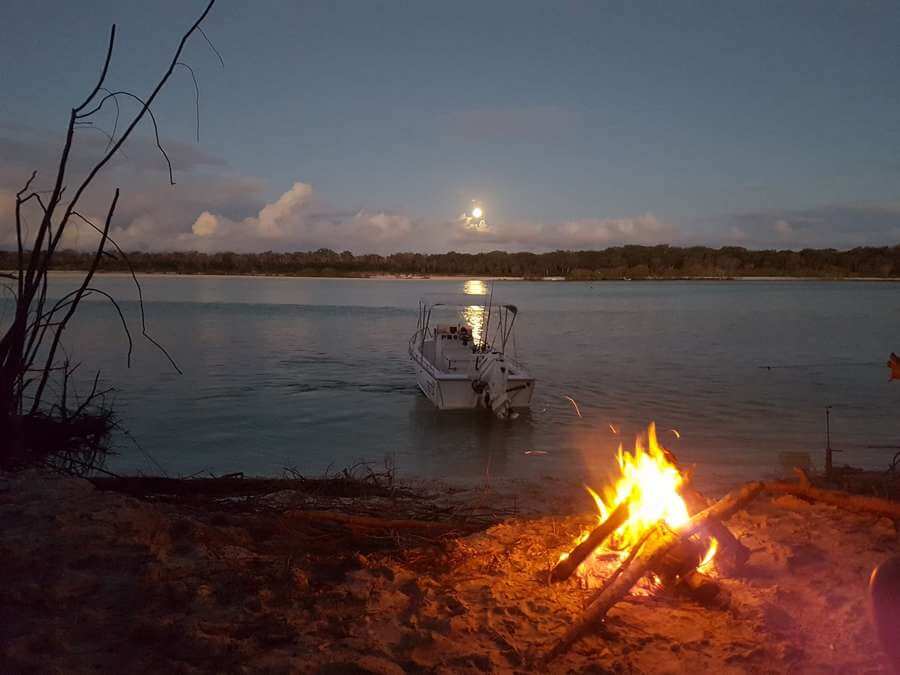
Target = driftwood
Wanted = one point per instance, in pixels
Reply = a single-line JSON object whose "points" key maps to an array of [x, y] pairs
{"points": [[658, 544], [843, 500], [565, 568], [355, 522]]}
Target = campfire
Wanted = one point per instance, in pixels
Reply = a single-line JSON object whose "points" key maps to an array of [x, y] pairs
{"points": [[654, 532]]}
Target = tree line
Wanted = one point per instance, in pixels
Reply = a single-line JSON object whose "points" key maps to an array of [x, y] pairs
{"points": [[620, 262]]}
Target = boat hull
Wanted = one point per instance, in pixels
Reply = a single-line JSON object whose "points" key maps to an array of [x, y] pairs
{"points": [[455, 392]]}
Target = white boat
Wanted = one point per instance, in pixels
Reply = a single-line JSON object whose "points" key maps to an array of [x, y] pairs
{"points": [[463, 363]]}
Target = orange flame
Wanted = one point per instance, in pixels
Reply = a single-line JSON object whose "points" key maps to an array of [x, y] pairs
{"points": [[710, 554], [651, 484]]}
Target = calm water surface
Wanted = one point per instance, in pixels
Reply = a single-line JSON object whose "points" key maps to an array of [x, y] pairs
{"points": [[313, 373]]}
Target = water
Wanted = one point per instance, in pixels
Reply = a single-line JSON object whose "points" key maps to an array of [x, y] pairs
{"points": [[313, 373]]}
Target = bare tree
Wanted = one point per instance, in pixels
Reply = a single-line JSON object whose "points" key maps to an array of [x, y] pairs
{"points": [[30, 349]]}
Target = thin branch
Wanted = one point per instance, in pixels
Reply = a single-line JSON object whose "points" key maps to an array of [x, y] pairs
{"points": [[109, 50], [112, 136], [84, 285], [149, 101], [211, 45], [19, 248], [140, 292], [146, 109], [115, 304], [196, 94]]}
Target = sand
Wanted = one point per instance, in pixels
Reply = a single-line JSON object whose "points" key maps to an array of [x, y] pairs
{"points": [[97, 581]]}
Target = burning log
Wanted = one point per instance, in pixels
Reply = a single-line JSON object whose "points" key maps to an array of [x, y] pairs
{"points": [[843, 500], [598, 535], [658, 543], [699, 586], [733, 555], [678, 569]]}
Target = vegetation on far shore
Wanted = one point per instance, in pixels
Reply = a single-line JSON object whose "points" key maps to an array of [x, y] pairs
{"points": [[621, 262]]}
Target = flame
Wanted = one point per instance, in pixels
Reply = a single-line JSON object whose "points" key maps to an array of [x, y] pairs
{"points": [[710, 554], [650, 483]]}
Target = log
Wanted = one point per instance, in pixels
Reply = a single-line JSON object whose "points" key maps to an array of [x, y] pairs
{"points": [[843, 500], [678, 570], [679, 560], [372, 523], [699, 586], [565, 568], [660, 542], [733, 555]]}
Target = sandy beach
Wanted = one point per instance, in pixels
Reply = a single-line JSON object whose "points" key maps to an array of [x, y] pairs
{"points": [[98, 580]]}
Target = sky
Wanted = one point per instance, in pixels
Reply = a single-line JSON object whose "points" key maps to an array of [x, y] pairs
{"points": [[373, 126]]}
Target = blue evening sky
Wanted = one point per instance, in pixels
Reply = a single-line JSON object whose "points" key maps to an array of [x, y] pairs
{"points": [[548, 112]]}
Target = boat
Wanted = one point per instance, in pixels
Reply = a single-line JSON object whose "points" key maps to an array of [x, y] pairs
{"points": [[463, 363]]}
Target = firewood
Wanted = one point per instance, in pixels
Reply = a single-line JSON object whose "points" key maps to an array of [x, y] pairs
{"points": [[598, 535], [660, 542], [733, 555], [680, 559], [372, 523], [678, 570], [843, 500], [699, 587]]}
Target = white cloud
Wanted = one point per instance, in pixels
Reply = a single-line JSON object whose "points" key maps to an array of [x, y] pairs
{"points": [[275, 220], [297, 220], [205, 225], [575, 234]]}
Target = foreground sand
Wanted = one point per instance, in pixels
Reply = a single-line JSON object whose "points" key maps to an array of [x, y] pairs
{"points": [[95, 581]]}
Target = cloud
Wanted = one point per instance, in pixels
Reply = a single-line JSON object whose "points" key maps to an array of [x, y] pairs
{"points": [[151, 213], [299, 220], [213, 208], [829, 226], [574, 234], [205, 225]]}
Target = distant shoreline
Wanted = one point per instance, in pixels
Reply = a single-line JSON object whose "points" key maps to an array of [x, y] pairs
{"points": [[464, 277], [621, 263]]}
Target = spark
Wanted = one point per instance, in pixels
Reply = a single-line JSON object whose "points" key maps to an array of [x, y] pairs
{"points": [[572, 401], [535, 452], [676, 432], [613, 429]]}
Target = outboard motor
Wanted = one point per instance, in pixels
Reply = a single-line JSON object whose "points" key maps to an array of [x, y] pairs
{"points": [[493, 377]]}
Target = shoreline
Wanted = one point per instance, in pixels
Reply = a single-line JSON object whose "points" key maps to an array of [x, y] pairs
{"points": [[465, 277]]}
